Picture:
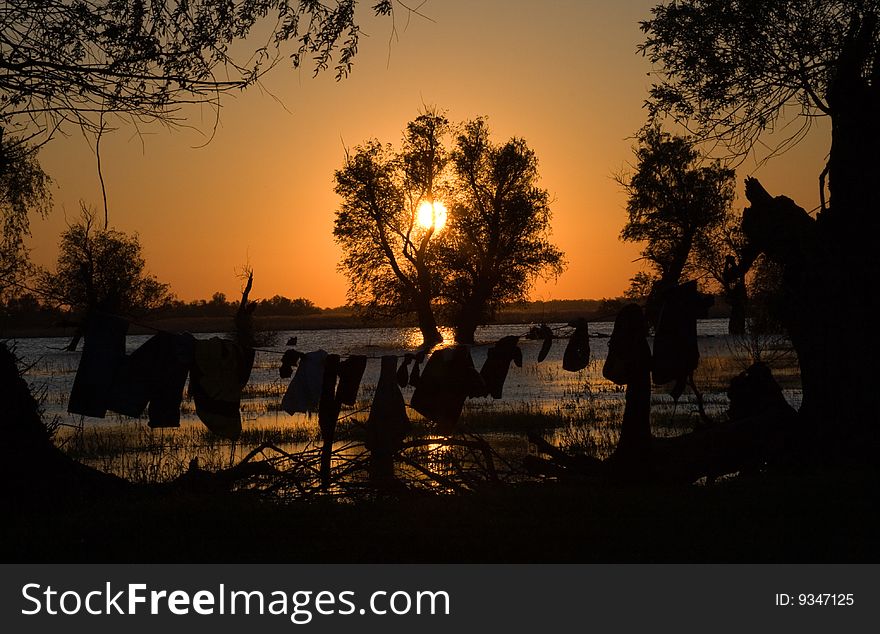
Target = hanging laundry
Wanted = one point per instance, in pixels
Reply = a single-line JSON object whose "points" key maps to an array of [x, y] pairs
{"points": [[328, 415], [577, 352], [304, 392], [498, 358], [676, 353], [629, 362], [220, 370], [103, 353], [415, 375], [288, 361], [387, 424], [448, 379], [155, 373], [403, 370], [328, 407], [543, 332], [627, 347], [350, 372]]}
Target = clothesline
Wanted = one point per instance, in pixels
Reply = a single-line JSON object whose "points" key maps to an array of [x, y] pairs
{"points": [[157, 330]]}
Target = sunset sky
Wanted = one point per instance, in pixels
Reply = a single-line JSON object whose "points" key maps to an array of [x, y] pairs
{"points": [[563, 75]]}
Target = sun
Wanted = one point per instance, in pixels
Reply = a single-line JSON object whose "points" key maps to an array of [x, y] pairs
{"points": [[431, 215]]}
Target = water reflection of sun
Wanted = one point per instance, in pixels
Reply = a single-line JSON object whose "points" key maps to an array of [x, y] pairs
{"points": [[412, 337], [431, 215]]}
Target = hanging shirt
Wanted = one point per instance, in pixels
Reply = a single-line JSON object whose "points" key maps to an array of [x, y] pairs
{"points": [[577, 352], [155, 373], [350, 372], [498, 358], [629, 362], [448, 379], [220, 370], [304, 392], [387, 424], [102, 355]]}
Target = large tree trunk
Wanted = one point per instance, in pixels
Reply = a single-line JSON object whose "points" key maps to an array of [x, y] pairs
{"points": [[472, 313], [427, 323], [827, 282]]}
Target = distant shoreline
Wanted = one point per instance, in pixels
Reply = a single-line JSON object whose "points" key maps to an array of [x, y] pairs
{"points": [[532, 313]]}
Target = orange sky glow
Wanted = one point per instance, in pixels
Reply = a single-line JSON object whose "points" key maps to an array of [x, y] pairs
{"points": [[565, 76]]}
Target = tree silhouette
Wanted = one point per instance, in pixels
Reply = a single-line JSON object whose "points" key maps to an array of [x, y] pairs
{"points": [[63, 61], [390, 259], [498, 237], [677, 202], [24, 188], [717, 257], [729, 70], [492, 246], [104, 269]]}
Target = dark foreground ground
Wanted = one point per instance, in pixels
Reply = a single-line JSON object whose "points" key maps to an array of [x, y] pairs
{"points": [[820, 517]]}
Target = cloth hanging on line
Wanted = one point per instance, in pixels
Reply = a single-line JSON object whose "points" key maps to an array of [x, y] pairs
{"points": [[577, 351], [350, 372], [155, 373], [628, 350], [288, 361], [304, 392], [220, 370], [546, 334], [328, 407], [387, 424], [103, 353], [403, 370], [415, 375], [448, 379], [676, 352], [498, 358]]}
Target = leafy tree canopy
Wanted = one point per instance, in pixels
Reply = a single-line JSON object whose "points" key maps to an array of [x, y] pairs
{"points": [[24, 187], [483, 244], [677, 203], [74, 60], [102, 268], [729, 69]]}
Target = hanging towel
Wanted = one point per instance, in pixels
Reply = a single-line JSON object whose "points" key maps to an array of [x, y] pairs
{"points": [[387, 424], [577, 352], [628, 350], [676, 353], [498, 358], [220, 370], [155, 373], [350, 372], [415, 375], [448, 379], [102, 355], [304, 392], [328, 408]]}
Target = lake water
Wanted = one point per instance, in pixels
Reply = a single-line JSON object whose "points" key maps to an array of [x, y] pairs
{"points": [[543, 385], [535, 387]]}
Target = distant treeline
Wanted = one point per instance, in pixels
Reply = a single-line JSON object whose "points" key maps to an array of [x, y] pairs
{"points": [[27, 313]]}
